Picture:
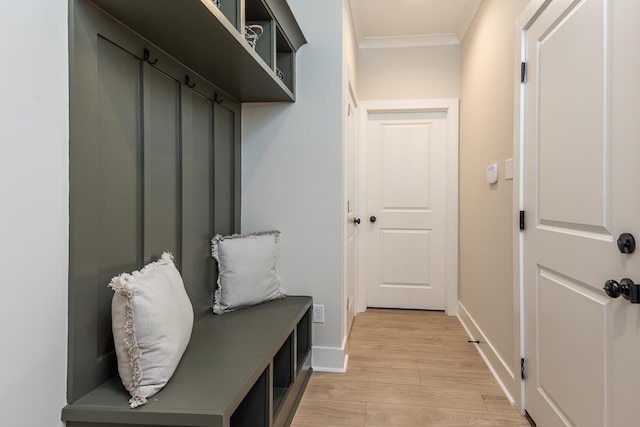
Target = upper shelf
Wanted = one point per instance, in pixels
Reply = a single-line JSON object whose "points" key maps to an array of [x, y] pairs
{"points": [[199, 35]]}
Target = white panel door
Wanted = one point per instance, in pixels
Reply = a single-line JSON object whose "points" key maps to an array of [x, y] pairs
{"points": [[406, 198], [582, 178]]}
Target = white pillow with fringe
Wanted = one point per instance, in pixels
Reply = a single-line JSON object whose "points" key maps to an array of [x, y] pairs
{"points": [[247, 270], [152, 319]]}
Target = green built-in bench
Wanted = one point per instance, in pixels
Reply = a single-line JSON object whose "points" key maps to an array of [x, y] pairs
{"points": [[247, 368]]}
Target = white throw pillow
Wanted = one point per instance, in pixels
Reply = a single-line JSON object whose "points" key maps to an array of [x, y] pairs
{"points": [[247, 270], [152, 319]]}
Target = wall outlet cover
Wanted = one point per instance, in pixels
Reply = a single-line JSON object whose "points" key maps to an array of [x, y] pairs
{"points": [[318, 313]]}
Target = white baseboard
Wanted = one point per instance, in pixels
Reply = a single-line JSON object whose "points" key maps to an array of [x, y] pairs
{"points": [[496, 364], [330, 359]]}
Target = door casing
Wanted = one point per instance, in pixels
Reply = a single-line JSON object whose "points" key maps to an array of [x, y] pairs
{"points": [[523, 23], [450, 106], [350, 100]]}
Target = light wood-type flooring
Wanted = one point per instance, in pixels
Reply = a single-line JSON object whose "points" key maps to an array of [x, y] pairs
{"points": [[407, 368]]}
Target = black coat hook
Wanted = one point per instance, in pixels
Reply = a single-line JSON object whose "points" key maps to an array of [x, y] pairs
{"points": [[187, 81], [145, 57], [216, 99]]}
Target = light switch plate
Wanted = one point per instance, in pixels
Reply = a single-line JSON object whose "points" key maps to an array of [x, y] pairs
{"points": [[508, 169]]}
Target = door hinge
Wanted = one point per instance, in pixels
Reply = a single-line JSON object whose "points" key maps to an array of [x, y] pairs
{"points": [[523, 368], [523, 72], [521, 220]]}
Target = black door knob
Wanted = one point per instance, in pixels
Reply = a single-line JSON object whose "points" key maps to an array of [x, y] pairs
{"points": [[356, 221], [629, 290], [612, 288], [372, 219]]}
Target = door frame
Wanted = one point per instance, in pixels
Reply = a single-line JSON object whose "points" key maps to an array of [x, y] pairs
{"points": [[523, 23], [348, 92], [450, 106]]}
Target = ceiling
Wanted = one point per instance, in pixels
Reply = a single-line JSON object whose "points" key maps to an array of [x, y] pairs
{"points": [[389, 23]]}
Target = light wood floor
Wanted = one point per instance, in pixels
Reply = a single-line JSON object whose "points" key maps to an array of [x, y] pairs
{"points": [[406, 369]]}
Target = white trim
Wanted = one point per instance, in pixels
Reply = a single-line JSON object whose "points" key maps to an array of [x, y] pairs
{"points": [[409, 41], [348, 91], [344, 196], [498, 367], [524, 21], [330, 359], [451, 107], [361, 196], [517, 235]]}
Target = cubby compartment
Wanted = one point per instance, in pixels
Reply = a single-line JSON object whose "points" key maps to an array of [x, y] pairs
{"points": [[282, 373], [231, 10], [264, 44], [254, 409], [258, 19], [303, 339], [284, 60]]}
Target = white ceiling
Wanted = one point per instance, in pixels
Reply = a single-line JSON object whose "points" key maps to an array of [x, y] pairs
{"points": [[388, 23]]}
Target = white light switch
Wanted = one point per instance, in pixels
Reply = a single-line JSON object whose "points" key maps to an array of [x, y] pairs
{"points": [[508, 169], [492, 174]]}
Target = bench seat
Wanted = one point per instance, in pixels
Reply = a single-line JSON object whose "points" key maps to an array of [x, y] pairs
{"points": [[244, 368]]}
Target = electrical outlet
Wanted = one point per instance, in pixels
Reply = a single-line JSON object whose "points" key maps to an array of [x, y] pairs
{"points": [[318, 313]]}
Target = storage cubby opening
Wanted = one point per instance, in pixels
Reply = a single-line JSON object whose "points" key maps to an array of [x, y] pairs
{"points": [[257, 13], [284, 59], [303, 339], [254, 409], [282, 373], [264, 46], [231, 10], [256, 10]]}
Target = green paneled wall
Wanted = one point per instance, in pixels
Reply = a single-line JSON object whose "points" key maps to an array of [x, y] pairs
{"points": [[154, 166]]}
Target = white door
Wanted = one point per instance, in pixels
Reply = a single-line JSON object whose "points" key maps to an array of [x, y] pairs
{"points": [[352, 220], [582, 190], [405, 219]]}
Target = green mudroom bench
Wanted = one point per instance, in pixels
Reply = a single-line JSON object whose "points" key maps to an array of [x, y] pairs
{"points": [[247, 368]]}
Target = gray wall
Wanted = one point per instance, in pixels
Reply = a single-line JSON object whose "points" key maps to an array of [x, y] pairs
{"points": [[486, 136], [34, 218], [292, 175]]}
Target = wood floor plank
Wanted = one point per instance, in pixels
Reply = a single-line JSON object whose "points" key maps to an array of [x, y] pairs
{"points": [[390, 375], [356, 391], [453, 363], [496, 402], [419, 351], [407, 368], [371, 361], [480, 380], [379, 415], [330, 413], [439, 339]]}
